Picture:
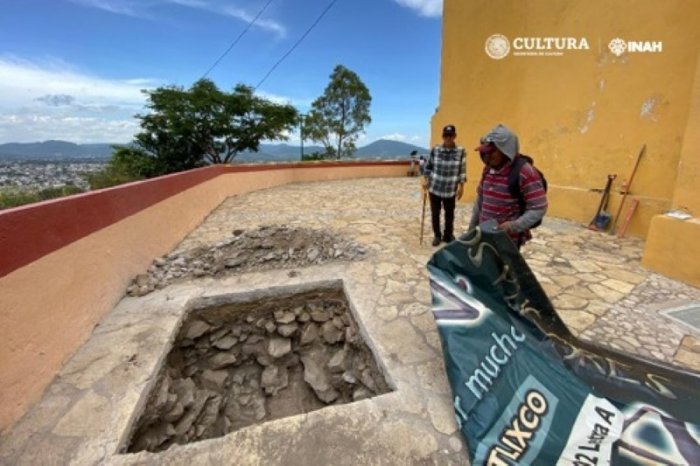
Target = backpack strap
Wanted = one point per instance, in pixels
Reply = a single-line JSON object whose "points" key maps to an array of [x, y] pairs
{"points": [[514, 180]]}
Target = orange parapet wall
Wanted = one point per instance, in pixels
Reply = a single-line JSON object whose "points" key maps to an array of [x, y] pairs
{"points": [[65, 263]]}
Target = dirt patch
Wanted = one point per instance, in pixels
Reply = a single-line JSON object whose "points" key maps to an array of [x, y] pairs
{"points": [[265, 248], [241, 364]]}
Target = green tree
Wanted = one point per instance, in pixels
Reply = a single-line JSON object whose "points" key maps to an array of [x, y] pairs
{"points": [[191, 128], [127, 164], [339, 116]]}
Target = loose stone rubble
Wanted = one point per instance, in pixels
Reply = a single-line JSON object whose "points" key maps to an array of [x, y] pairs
{"points": [[264, 248], [241, 364]]}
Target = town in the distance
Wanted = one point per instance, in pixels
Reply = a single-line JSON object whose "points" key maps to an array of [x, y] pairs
{"points": [[59, 167]]}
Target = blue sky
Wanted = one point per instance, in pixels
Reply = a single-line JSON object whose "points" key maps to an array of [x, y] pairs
{"points": [[73, 69]]}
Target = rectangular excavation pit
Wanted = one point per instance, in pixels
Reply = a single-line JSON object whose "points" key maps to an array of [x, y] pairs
{"points": [[250, 358]]}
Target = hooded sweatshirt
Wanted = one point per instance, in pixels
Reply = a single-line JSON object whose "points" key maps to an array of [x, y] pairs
{"points": [[494, 201]]}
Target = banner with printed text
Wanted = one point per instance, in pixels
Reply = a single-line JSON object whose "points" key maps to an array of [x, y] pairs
{"points": [[528, 392]]}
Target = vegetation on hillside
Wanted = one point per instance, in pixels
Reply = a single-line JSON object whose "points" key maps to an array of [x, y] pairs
{"points": [[15, 197]]}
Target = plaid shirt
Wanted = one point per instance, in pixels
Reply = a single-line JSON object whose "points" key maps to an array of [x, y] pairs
{"points": [[445, 170]]}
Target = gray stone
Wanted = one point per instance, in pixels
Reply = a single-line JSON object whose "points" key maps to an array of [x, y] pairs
{"points": [[219, 334], [278, 347], [309, 334], [349, 377], [274, 379], [185, 389], [284, 317], [287, 330], [161, 397], [175, 413], [196, 329], [331, 333], [338, 361], [312, 254], [235, 262], [185, 423], [360, 394], [320, 316], [214, 380], [314, 375], [270, 327], [225, 343], [304, 317], [366, 378], [338, 322], [220, 360], [210, 413]]}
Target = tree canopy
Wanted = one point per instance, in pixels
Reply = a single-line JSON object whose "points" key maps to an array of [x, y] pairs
{"points": [[202, 125], [338, 117]]}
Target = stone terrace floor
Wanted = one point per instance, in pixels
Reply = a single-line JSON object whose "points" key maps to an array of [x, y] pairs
{"points": [[594, 280]]}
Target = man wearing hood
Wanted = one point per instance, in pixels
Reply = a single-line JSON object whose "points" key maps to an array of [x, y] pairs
{"points": [[499, 150]]}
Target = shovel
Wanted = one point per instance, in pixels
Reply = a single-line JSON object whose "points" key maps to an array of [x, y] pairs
{"points": [[601, 220]]}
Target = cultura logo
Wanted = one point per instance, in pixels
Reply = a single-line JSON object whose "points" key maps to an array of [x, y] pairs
{"points": [[497, 46], [619, 46]]}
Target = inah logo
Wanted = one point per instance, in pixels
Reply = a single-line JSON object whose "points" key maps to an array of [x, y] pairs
{"points": [[497, 46], [619, 46]]}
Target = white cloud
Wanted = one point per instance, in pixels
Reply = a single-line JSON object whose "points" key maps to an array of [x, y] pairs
{"points": [[395, 137], [400, 137], [51, 100], [267, 24], [40, 127], [142, 8], [284, 100], [22, 83], [120, 7], [430, 8]]}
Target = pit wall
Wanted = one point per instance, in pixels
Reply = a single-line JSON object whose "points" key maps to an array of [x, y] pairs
{"points": [[587, 113], [65, 263]]}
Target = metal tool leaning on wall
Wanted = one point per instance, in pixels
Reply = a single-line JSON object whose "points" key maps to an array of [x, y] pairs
{"points": [[625, 191]]}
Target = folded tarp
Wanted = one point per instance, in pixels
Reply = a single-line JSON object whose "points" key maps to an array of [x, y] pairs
{"points": [[528, 392]]}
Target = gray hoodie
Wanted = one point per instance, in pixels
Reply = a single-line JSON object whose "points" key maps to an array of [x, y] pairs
{"points": [[507, 142]]}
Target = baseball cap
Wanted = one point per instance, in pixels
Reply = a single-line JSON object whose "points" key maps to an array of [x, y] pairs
{"points": [[449, 130]]}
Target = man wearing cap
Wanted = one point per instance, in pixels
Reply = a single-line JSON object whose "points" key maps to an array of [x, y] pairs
{"points": [[498, 149], [444, 176]]}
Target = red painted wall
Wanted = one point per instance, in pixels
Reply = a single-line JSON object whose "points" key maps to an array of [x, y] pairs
{"points": [[30, 232]]}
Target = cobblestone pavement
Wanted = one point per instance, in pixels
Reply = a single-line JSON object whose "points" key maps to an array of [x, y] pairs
{"points": [[594, 280]]}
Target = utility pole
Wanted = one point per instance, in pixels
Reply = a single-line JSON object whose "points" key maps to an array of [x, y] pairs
{"points": [[301, 133]]}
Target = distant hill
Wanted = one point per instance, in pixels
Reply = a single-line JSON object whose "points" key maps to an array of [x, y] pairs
{"points": [[60, 150], [380, 149], [385, 148]]}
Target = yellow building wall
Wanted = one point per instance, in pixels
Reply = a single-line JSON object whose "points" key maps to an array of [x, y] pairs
{"points": [[582, 115], [673, 246]]}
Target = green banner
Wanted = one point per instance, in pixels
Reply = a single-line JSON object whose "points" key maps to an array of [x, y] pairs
{"points": [[528, 392]]}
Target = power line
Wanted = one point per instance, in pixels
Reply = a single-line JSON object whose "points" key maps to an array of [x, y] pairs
{"points": [[320, 17], [233, 44]]}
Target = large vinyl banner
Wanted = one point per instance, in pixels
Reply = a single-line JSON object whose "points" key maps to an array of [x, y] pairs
{"points": [[527, 392]]}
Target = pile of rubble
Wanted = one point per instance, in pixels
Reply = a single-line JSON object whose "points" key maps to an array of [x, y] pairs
{"points": [[265, 248], [230, 368]]}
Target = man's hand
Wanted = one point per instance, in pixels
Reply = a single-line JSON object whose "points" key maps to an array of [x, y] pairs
{"points": [[460, 191], [508, 227]]}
